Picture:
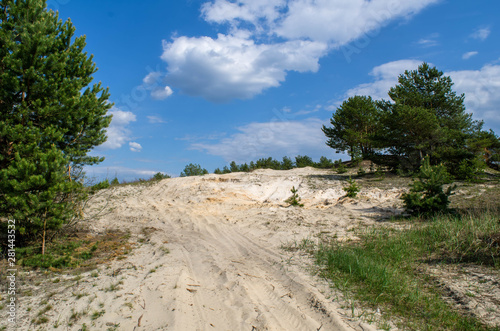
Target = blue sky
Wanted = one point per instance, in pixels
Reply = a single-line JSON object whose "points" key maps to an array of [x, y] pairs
{"points": [[211, 81]]}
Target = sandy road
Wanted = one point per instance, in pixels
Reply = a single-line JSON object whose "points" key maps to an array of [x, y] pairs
{"points": [[209, 256]]}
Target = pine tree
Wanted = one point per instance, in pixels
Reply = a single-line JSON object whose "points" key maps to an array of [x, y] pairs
{"points": [[426, 117], [50, 118]]}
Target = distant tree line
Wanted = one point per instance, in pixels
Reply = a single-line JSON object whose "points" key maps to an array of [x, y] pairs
{"points": [[424, 118], [287, 163]]}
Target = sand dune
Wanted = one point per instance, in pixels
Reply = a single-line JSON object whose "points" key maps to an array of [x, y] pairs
{"points": [[209, 256]]}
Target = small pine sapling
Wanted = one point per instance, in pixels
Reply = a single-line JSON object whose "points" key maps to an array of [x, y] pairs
{"points": [[351, 190], [294, 199], [426, 195]]}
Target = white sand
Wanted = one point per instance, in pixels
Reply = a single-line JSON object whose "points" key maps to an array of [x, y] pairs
{"points": [[225, 269]]}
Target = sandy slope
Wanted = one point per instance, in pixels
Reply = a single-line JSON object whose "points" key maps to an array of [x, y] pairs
{"points": [[224, 269]]}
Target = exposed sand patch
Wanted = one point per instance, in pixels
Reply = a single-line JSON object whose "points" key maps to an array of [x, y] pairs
{"points": [[209, 256]]}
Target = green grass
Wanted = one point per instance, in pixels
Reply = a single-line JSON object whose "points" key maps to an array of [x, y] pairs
{"points": [[384, 269]]}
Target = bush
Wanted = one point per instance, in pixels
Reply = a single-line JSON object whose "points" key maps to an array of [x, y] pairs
{"points": [[100, 186], [160, 176], [470, 169], [426, 195], [351, 190], [340, 167], [303, 161], [115, 181], [193, 170], [324, 163]]}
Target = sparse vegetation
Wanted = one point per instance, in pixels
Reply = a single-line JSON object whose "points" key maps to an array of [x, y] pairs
{"points": [[385, 268], [352, 189], [294, 199], [426, 195]]}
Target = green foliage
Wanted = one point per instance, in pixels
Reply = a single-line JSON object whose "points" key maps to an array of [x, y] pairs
{"points": [[424, 117], [469, 169], [340, 166], [294, 199], [355, 125], [100, 186], [303, 161], [50, 118], [384, 268], [234, 167], [160, 176], [324, 163], [426, 195], [427, 117], [193, 170], [115, 182], [61, 255], [352, 189], [287, 163]]}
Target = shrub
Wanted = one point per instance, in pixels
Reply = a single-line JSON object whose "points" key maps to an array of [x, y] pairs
{"points": [[426, 195], [99, 186], [324, 163], [193, 170], [353, 188], [470, 169], [294, 199], [340, 167], [303, 161], [160, 176], [115, 181]]}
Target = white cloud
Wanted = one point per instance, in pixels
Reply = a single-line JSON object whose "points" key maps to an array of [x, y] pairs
{"points": [[342, 21], [468, 55], [275, 139], [385, 77], [235, 67], [152, 78], [118, 132], [268, 38], [482, 92], [135, 147], [429, 41], [481, 34], [161, 93], [156, 120]]}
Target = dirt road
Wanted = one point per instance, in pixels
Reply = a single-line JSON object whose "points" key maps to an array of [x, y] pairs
{"points": [[209, 256]]}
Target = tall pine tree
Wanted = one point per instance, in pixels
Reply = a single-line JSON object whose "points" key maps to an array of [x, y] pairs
{"points": [[426, 117], [50, 118]]}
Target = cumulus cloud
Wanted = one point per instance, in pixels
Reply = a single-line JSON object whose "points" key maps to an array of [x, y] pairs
{"points": [[235, 67], [481, 34], [385, 76], [118, 132], [135, 147], [342, 21], [468, 55], [482, 92], [268, 38], [276, 139], [481, 87], [161, 93]]}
